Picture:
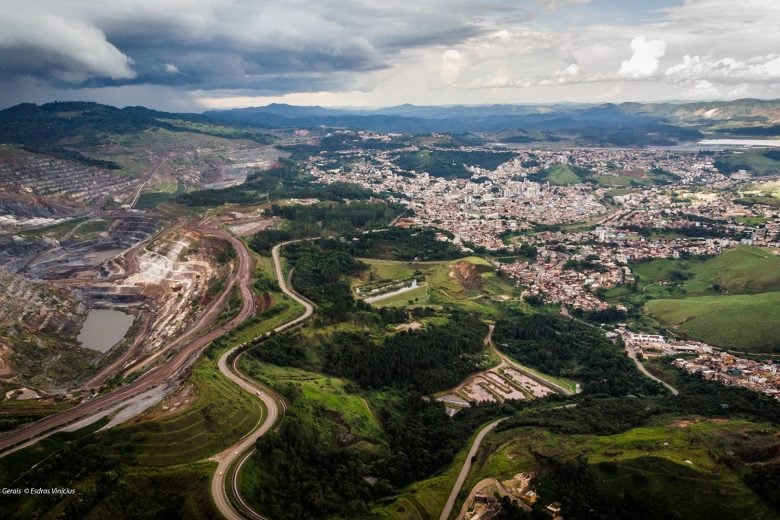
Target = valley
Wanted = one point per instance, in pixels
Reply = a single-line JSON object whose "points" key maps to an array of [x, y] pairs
{"points": [[203, 320]]}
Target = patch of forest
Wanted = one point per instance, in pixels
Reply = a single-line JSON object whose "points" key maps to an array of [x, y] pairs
{"points": [[564, 347], [450, 164], [412, 244], [285, 180]]}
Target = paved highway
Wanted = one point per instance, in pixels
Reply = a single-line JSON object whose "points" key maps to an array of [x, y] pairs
{"points": [[166, 373], [641, 367], [464, 471], [229, 462]]}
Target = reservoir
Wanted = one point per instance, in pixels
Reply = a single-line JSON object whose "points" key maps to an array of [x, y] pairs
{"points": [[104, 328], [384, 296], [740, 142]]}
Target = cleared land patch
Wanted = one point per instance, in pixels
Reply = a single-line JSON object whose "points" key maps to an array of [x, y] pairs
{"points": [[470, 283]]}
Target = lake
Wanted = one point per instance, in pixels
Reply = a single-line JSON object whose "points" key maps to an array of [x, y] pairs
{"points": [[104, 328]]}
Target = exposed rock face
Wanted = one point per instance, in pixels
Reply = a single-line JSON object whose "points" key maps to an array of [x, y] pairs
{"points": [[41, 175], [16, 251], [37, 307], [467, 275], [6, 370], [22, 205], [38, 328]]}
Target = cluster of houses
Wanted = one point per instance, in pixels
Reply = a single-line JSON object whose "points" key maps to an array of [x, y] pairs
{"points": [[730, 370]]}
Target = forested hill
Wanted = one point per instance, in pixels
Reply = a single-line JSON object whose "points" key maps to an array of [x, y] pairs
{"points": [[56, 123]]}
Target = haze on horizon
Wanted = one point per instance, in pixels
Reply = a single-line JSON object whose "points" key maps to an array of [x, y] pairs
{"points": [[183, 55]]}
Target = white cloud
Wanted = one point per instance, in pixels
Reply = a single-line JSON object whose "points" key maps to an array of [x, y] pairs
{"points": [[170, 68], [555, 4], [727, 70], [646, 58], [452, 63]]}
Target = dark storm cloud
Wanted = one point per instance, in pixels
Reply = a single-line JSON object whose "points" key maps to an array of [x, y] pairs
{"points": [[273, 45]]}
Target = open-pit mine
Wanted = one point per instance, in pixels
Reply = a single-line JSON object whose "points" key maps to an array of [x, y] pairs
{"points": [[97, 286]]}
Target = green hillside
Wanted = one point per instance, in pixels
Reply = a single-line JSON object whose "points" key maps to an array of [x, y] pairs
{"points": [[742, 270], [675, 469], [741, 322]]}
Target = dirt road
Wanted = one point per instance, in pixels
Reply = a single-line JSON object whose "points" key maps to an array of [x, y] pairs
{"points": [[506, 362], [166, 373]]}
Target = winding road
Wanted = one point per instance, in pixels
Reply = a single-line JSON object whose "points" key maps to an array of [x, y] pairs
{"points": [[230, 461], [464, 471]]}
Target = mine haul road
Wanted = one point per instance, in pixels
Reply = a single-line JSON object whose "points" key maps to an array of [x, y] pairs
{"points": [[165, 374], [230, 461]]}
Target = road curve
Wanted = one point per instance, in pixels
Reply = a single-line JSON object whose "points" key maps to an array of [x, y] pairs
{"points": [[464, 471], [229, 461], [163, 374], [641, 367], [288, 290]]}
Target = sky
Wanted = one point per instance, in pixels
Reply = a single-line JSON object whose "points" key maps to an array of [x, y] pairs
{"points": [[184, 55]]}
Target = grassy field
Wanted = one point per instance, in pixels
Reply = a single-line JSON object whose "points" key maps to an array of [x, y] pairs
{"points": [[746, 322], [55, 231], [282, 310], [763, 189], [326, 391], [561, 174], [754, 161], [675, 467], [728, 300], [163, 193], [220, 414], [613, 180], [751, 221], [742, 270]]}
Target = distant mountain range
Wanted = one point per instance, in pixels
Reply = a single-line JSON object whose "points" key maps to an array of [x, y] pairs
{"points": [[550, 118], [55, 124]]}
